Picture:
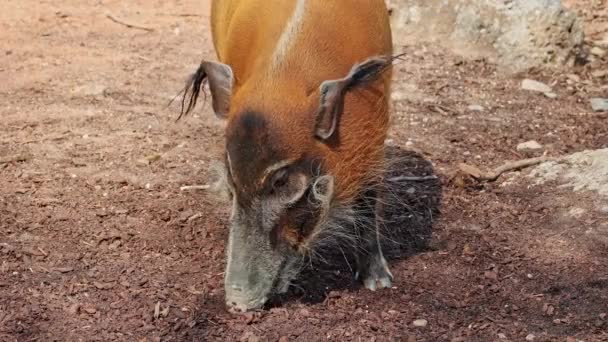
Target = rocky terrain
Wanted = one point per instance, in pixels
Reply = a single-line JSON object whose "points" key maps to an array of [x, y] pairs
{"points": [[98, 242]]}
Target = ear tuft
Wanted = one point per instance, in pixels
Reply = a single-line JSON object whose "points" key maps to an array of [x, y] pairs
{"points": [[367, 71]]}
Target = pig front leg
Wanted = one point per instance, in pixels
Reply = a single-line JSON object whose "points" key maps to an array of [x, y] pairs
{"points": [[372, 267]]}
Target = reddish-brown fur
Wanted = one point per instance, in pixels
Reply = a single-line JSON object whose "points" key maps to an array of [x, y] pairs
{"points": [[245, 35]]}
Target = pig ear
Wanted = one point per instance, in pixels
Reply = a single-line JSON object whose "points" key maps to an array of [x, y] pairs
{"points": [[220, 79], [333, 93]]}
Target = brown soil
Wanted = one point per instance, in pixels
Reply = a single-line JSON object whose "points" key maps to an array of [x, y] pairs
{"points": [[98, 243]]}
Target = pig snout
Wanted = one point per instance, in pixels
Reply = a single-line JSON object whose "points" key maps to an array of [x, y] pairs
{"points": [[252, 269]]}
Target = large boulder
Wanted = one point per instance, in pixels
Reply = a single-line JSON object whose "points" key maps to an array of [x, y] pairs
{"points": [[516, 34], [581, 171]]}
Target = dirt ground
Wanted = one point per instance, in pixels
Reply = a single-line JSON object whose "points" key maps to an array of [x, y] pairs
{"points": [[98, 243]]}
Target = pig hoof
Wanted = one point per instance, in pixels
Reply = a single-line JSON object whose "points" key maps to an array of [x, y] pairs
{"points": [[377, 273]]}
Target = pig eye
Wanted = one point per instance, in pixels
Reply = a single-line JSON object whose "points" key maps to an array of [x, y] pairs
{"points": [[280, 179]]}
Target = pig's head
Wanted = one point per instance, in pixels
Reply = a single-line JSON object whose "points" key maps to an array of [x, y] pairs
{"points": [[276, 195], [276, 178]]}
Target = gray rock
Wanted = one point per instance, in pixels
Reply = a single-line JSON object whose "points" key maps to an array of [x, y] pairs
{"points": [[518, 34], [599, 104], [529, 146], [581, 171], [475, 108], [530, 337], [533, 85]]}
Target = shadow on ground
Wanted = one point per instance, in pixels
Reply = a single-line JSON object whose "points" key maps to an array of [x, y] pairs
{"points": [[412, 204]]}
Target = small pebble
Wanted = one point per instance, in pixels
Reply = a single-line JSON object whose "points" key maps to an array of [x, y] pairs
{"points": [[475, 108], [598, 51], [551, 95], [531, 145], [599, 104], [530, 337], [421, 323], [574, 77], [502, 336], [536, 86]]}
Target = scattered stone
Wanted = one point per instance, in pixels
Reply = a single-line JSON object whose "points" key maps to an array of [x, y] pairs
{"points": [[475, 108], [420, 323], [598, 51], [550, 95], [599, 104], [574, 77], [502, 336], [90, 310], [529, 146], [548, 309], [530, 337], [533, 85], [103, 286], [157, 310]]}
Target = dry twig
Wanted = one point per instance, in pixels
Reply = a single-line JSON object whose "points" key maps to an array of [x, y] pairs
{"points": [[114, 19], [492, 176], [195, 187]]}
